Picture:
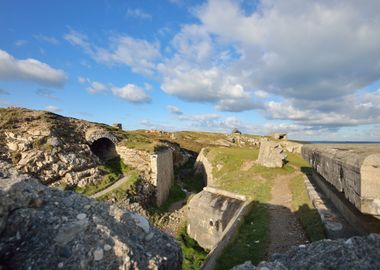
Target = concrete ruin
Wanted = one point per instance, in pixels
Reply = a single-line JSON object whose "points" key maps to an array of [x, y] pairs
{"points": [[210, 213], [203, 166], [156, 168], [353, 170], [102, 143], [271, 155], [279, 136]]}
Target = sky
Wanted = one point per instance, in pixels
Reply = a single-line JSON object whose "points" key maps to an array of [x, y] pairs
{"points": [[307, 68]]}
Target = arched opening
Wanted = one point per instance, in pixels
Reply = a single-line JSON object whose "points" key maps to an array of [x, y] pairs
{"points": [[104, 148]]}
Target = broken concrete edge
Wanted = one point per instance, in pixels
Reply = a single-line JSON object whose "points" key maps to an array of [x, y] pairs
{"points": [[225, 193], [363, 224], [228, 236], [203, 166], [334, 225]]}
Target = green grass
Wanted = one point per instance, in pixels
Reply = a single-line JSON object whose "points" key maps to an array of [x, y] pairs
{"points": [[251, 240], [175, 194], [193, 254], [250, 181], [112, 169], [119, 193], [305, 210]]}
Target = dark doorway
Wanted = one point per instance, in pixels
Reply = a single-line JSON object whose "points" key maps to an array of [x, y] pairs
{"points": [[104, 148]]}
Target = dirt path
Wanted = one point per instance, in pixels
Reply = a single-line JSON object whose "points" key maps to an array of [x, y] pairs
{"points": [[115, 185], [285, 230]]}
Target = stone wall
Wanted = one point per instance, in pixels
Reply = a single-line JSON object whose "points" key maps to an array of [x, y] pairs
{"points": [[162, 174], [137, 159], [352, 169], [156, 168], [209, 215]]}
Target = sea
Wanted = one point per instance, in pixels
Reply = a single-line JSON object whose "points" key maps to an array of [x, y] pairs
{"points": [[343, 142]]}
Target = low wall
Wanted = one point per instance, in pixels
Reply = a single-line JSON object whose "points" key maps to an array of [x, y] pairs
{"points": [[227, 237], [353, 170]]}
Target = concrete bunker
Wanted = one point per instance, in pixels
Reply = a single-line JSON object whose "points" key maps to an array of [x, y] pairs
{"points": [[104, 149], [102, 143]]}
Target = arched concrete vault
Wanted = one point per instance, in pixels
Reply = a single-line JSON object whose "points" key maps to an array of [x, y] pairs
{"points": [[102, 143]]}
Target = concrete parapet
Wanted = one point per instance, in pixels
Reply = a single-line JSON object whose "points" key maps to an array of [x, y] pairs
{"points": [[209, 215], [352, 169]]}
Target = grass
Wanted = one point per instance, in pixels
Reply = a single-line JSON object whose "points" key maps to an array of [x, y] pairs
{"points": [[305, 211], [112, 169], [119, 193], [193, 254], [252, 238], [175, 194], [252, 181]]}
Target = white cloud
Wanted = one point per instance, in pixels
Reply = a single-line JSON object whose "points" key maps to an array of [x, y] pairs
{"points": [[138, 13], [48, 39], [53, 108], [83, 79], [12, 69], [199, 117], [261, 94], [140, 55], [174, 109], [96, 87], [20, 42], [131, 93]]}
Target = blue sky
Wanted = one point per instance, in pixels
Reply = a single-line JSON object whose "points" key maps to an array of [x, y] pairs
{"points": [[308, 68]]}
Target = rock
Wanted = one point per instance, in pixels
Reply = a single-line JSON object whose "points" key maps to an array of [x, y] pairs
{"points": [[81, 216], [43, 237], [271, 155], [235, 131], [107, 247], [98, 254], [354, 253], [279, 136]]}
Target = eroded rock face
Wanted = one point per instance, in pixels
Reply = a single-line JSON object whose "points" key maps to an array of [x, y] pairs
{"points": [[271, 154], [351, 169], [354, 253], [45, 228], [203, 166], [48, 146]]}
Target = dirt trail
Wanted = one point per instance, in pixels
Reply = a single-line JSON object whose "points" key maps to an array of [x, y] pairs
{"points": [[115, 185], [285, 229]]}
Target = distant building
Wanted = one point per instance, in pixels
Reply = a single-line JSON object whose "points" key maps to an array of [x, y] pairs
{"points": [[235, 131], [118, 125], [279, 136]]}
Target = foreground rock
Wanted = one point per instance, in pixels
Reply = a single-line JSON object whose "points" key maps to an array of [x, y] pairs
{"points": [[351, 169], [354, 253], [45, 228], [271, 154]]}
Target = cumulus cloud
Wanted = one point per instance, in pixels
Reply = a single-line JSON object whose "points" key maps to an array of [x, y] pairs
{"points": [[12, 69], [318, 50], [174, 109], [131, 93], [96, 87], [140, 55]]}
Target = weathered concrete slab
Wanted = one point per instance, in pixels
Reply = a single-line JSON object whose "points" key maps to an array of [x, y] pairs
{"points": [[271, 154], [209, 215], [351, 169]]}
